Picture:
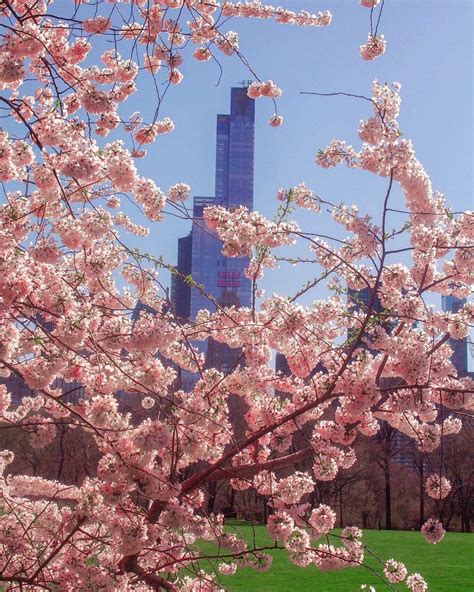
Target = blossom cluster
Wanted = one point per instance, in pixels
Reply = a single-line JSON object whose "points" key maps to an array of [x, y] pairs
{"points": [[241, 230], [433, 531], [374, 47], [437, 486]]}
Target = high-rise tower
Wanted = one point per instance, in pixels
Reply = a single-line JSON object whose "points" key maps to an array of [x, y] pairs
{"points": [[180, 290]]}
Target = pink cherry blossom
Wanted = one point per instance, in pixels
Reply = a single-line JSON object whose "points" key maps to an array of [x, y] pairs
{"points": [[416, 583], [437, 487], [374, 47], [275, 120], [369, 3], [433, 531], [394, 571]]}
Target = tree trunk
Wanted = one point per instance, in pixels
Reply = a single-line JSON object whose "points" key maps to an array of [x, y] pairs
{"points": [[466, 523], [266, 510], [61, 452], [388, 497], [422, 496], [211, 500], [341, 517]]}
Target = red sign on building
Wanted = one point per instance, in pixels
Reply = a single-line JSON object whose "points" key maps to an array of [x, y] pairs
{"points": [[228, 279]]}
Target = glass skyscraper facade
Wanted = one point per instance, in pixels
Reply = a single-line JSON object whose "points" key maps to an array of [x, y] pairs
{"points": [[358, 301], [221, 277], [180, 290]]}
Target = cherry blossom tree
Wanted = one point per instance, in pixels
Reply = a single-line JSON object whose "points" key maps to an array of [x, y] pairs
{"points": [[69, 284]]}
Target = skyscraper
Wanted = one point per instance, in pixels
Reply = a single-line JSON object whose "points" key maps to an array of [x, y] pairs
{"points": [[459, 346], [180, 290], [221, 277], [358, 301]]}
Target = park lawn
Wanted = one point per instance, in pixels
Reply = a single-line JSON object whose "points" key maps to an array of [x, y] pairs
{"points": [[447, 566]]}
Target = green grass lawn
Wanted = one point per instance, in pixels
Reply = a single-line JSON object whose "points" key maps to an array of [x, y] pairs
{"points": [[447, 566]]}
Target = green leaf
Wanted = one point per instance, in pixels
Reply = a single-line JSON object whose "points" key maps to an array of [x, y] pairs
{"points": [[91, 562]]}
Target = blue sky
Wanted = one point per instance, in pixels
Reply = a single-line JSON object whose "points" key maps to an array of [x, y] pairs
{"points": [[429, 51]]}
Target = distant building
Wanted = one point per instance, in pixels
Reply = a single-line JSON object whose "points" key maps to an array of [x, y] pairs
{"points": [[459, 346], [396, 442], [199, 253], [17, 388], [72, 392], [180, 290], [281, 365], [358, 301]]}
